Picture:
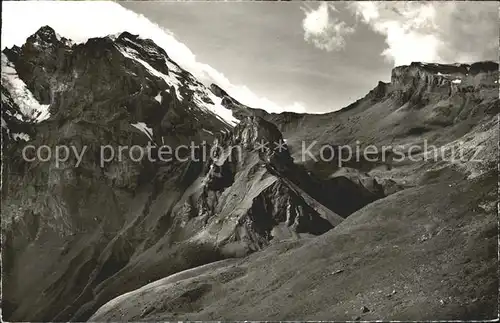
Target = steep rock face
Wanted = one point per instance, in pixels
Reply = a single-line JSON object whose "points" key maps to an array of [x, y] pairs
{"points": [[239, 110], [424, 253], [76, 237], [249, 190], [435, 235], [80, 231], [420, 84], [435, 105]]}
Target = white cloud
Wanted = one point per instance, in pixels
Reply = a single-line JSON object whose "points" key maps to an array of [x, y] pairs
{"points": [[80, 20], [323, 30], [405, 26], [441, 32]]}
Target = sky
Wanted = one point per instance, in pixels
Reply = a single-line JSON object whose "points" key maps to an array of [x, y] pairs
{"points": [[310, 57]]}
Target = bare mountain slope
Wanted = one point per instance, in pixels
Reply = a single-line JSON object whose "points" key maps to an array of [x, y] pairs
{"points": [[425, 105], [79, 232], [424, 253], [427, 251]]}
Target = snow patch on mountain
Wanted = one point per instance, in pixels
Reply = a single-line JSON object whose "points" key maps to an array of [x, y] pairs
{"points": [[144, 129], [158, 97], [171, 80], [223, 113], [21, 135], [16, 115], [207, 131], [172, 67], [20, 93]]}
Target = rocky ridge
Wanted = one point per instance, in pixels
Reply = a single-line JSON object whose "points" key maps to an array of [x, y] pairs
{"points": [[77, 237], [426, 251], [97, 230]]}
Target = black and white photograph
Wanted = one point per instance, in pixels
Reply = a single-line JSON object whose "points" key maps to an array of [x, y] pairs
{"points": [[222, 161]]}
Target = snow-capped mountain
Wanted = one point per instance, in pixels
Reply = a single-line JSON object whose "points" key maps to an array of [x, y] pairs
{"points": [[124, 91], [108, 237]]}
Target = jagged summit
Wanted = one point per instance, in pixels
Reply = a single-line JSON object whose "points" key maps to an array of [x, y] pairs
{"points": [[127, 67], [46, 36], [451, 69], [45, 33], [218, 91], [125, 91], [128, 35], [474, 68]]}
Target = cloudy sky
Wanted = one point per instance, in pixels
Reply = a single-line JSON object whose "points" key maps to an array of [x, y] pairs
{"points": [[295, 56]]}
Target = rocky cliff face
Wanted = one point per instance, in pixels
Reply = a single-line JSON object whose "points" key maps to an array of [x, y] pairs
{"points": [[98, 224], [426, 250], [81, 231], [437, 105], [421, 83]]}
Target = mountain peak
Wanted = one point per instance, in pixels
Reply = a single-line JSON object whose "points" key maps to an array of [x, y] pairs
{"points": [[455, 68], [45, 30], [128, 35], [46, 34], [216, 179]]}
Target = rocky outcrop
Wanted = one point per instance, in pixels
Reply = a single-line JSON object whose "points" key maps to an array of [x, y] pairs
{"points": [[420, 83], [436, 227], [99, 224], [431, 104], [248, 191], [431, 240], [239, 110], [78, 233], [218, 91]]}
